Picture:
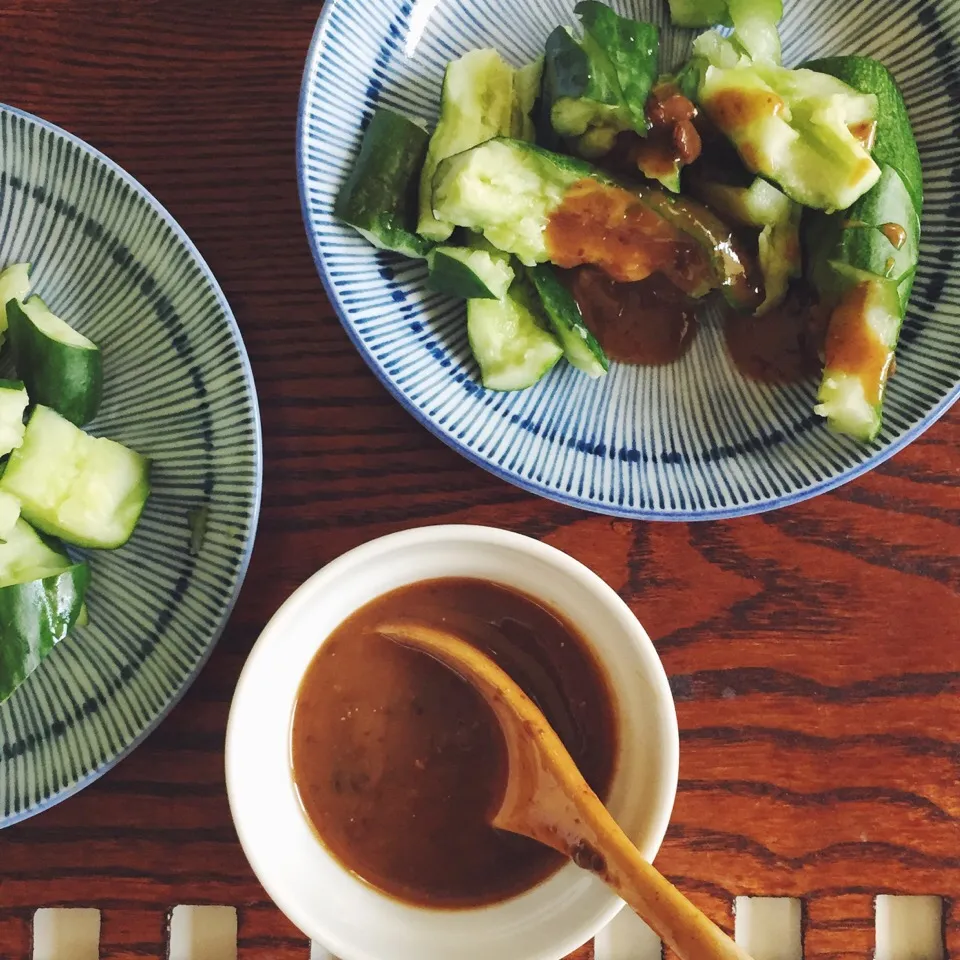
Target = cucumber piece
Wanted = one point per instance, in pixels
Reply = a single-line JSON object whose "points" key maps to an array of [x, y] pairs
{"points": [[476, 104], [894, 144], [379, 198], [25, 555], [861, 338], [475, 272], [88, 490], [507, 189], [764, 207], [510, 190], [526, 90], [580, 346], [879, 234], [699, 13], [793, 127], [61, 368], [509, 339], [14, 285], [9, 514], [13, 402], [596, 87], [41, 600]]}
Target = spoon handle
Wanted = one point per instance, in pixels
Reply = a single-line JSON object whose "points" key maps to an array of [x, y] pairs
{"points": [[681, 925]]}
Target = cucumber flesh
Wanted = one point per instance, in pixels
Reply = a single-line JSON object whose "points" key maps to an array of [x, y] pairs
{"points": [[13, 402], [861, 338], [509, 340], [580, 346], [507, 189], [476, 104], [526, 89], [379, 198], [25, 556], [477, 272], [89, 491], [61, 367], [14, 285], [9, 515]]}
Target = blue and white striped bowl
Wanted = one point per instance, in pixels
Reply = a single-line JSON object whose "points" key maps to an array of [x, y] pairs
{"points": [[178, 388], [686, 442]]}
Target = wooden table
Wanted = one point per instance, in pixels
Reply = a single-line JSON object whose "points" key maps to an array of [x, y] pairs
{"points": [[814, 652]]}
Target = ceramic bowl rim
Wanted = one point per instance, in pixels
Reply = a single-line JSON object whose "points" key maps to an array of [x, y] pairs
{"points": [[314, 53], [394, 545], [244, 557]]}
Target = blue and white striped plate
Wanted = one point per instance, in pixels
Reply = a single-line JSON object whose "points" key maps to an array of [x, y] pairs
{"points": [[691, 441], [178, 388]]}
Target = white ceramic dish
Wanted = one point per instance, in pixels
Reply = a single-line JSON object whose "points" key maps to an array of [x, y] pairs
{"points": [[333, 906]]}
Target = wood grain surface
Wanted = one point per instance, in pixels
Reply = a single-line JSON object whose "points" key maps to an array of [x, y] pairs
{"points": [[814, 652]]}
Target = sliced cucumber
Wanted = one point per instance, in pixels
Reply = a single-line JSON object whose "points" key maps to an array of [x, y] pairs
{"points": [[41, 599], [861, 338], [379, 198], [14, 285], [475, 272], [61, 368], [88, 490], [580, 346], [509, 340], [13, 401], [526, 89], [476, 104], [9, 514]]}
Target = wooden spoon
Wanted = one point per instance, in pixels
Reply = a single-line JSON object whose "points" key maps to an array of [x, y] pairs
{"points": [[546, 798]]}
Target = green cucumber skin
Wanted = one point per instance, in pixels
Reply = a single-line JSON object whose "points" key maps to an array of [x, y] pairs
{"points": [[632, 47], [469, 273], [380, 196], [895, 145], [67, 378], [34, 618], [580, 346]]}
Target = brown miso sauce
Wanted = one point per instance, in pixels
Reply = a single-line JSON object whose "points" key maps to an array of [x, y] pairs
{"points": [[866, 132], [611, 228], [648, 322], [896, 234], [733, 110], [853, 347], [781, 346], [400, 764]]}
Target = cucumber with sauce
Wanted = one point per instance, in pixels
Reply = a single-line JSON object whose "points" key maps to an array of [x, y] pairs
{"points": [[89, 491], [41, 599], [476, 104], [794, 128], [509, 339], [862, 261], [858, 355], [763, 207], [509, 190], [379, 197], [61, 368]]}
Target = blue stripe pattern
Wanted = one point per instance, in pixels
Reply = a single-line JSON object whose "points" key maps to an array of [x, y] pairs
{"points": [[177, 388], [690, 441]]}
